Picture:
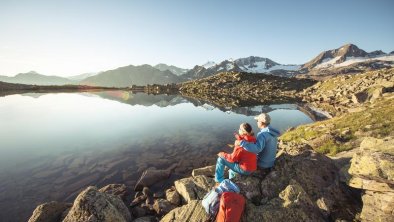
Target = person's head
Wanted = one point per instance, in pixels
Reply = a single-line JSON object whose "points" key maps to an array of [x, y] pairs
{"points": [[245, 129], [263, 120]]}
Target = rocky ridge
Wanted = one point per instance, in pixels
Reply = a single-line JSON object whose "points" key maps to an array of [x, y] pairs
{"points": [[234, 89]]}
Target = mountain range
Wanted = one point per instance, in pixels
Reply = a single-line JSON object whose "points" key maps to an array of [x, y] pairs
{"points": [[346, 59]]}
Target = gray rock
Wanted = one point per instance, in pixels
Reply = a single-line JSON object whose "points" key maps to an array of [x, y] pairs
{"points": [[119, 190], [150, 177], [162, 206], [49, 212], [194, 188], [173, 196], [192, 212], [208, 171], [94, 206]]}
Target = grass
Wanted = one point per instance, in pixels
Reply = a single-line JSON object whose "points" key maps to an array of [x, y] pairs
{"points": [[377, 120]]}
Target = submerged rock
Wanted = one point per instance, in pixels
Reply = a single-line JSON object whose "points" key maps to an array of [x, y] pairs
{"points": [[208, 171], [150, 177]]}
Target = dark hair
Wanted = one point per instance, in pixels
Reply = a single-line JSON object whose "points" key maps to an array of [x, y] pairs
{"points": [[247, 127]]}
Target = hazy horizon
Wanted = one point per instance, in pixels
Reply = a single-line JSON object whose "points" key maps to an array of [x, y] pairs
{"points": [[67, 38]]}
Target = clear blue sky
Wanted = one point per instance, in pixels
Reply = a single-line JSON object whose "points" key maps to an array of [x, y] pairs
{"points": [[72, 37]]}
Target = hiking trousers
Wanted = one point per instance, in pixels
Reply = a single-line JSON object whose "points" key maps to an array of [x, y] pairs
{"points": [[221, 163]]}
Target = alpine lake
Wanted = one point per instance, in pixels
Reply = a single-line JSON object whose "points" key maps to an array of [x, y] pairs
{"points": [[53, 145]]}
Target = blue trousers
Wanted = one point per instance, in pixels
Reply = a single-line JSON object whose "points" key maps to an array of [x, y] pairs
{"points": [[221, 163]]}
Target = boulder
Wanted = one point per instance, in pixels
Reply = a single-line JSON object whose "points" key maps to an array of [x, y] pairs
{"points": [[191, 212], [173, 196], [372, 169], [146, 219], [359, 97], [150, 177], [194, 188], [119, 190], [92, 205], [318, 176], [208, 171], [162, 206], [292, 204], [49, 212], [247, 185]]}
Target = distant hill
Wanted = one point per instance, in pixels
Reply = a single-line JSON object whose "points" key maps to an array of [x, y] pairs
{"points": [[33, 78], [175, 70], [132, 75]]}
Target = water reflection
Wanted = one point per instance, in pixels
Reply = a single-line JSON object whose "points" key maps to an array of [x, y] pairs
{"points": [[53, 145]]}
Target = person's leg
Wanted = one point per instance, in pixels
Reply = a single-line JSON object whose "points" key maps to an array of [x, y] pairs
{"points": [[236, 169], [231, 174], [219, 171]]}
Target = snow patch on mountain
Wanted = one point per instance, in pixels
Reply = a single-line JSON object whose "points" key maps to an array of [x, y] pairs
{"points": [[332, 63], [209, 64]]}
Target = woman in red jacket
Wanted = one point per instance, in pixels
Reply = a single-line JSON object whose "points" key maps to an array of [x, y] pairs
{"points": [[240, 161]]}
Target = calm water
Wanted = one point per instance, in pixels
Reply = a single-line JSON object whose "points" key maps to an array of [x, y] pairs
{"points": [[53, 145]]}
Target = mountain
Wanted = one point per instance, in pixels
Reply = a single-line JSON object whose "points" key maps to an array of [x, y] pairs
{"points": [[251, 64], [33, 78], [132, 75], [82, 76], [345, 56], [175, 70]]}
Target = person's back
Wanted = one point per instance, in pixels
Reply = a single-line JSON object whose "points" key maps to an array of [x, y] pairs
{"points": [[266, 144], [266, 158]]}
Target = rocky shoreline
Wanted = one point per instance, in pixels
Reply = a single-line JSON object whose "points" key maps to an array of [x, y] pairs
{"points": [[352, 184]]}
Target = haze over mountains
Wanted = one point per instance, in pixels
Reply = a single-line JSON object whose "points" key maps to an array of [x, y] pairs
{"points": [[346, 59]]}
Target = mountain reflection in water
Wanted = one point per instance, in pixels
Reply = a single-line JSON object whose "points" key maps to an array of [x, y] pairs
{"points": [[53, 145]]}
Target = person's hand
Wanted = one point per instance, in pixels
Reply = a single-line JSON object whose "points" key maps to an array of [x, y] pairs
{"points": [[221, 154], [237, 143]]}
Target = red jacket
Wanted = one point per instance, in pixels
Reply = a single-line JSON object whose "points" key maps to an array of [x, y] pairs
{"points": [[246, 160]]}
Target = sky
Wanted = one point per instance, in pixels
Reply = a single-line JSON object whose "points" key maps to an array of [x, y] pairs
{"points": [[67, 38]]}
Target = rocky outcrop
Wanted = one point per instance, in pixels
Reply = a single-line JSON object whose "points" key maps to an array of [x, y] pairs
{"points": [[208, 171], [50, 212], [236, 89], [372, 170], [92, 205], [303, 186], [347, 92]]}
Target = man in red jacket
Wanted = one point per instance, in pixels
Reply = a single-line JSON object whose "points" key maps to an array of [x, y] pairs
{"points": [[240, 161]]}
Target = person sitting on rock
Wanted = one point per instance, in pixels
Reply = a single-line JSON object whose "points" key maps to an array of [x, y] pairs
{"points": [[240, 161], [266, 145]]}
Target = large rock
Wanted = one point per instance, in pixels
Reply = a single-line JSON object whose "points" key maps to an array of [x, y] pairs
{"points": [[94, 206], [49, 212], [372, 169], [319, 178], [150, 177], [162, 206], [292, 204], [194, 188], [173, 196], [192, 212], [208, 171]]}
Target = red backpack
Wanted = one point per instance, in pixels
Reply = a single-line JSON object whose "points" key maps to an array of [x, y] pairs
{"points": [[231, 207]]}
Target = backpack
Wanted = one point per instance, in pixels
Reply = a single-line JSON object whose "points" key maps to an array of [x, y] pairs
{"points": [[210, 202], [231, 207], [227, 186]]}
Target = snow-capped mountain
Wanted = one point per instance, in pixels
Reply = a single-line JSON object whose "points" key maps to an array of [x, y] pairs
{"points": [[345, 56], [255, 64], [82, 76], [252, 64]]}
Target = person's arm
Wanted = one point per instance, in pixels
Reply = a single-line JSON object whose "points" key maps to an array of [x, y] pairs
{"points": [[233, 157], [254, 147]]}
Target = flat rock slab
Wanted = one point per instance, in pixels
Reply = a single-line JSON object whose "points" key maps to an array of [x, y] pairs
{"points": [[192, 212]]}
